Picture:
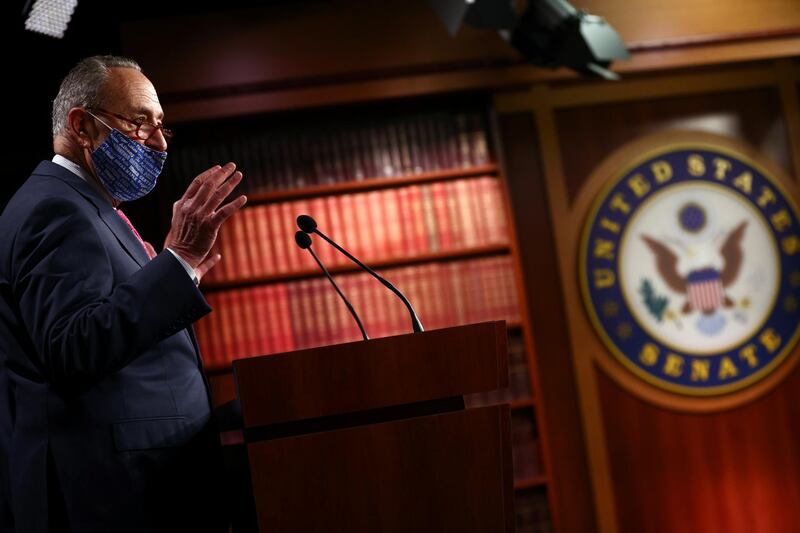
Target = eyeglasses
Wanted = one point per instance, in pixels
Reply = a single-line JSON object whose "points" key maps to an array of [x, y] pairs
{"points": [[144, 129]]}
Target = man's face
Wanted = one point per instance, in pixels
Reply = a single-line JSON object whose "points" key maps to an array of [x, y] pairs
{"points": [[130, 94]]}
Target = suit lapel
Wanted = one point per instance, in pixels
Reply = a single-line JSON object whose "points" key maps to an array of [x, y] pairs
{"points": [[124, 235], [108, 215]]}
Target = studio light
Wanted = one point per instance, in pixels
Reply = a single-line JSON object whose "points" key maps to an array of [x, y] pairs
{"points": [[49, 17], [549, 33]]}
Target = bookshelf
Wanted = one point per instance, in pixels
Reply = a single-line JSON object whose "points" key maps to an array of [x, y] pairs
{"points": [[414, 193]]}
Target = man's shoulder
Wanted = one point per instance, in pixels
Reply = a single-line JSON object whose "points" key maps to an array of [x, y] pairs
{"points": [[39, 194]]}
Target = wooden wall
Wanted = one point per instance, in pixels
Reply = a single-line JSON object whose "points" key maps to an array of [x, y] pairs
{"points": [[617, 463], [654, 469]]}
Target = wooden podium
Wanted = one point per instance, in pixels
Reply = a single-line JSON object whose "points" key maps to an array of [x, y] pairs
{"points": [[373, 436]]}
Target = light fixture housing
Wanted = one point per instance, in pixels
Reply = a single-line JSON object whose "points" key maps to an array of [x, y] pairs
{"points": [[49, 17]]}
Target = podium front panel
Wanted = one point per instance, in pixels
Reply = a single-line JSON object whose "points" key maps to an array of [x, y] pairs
{"points": [[444, 472]]}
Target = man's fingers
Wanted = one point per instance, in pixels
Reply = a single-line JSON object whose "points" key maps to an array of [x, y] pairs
{"points": [[207, 265], [223, 191], [213, 176], [227, 210], [194, 186]]}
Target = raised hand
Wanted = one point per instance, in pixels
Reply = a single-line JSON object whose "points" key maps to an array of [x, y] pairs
{"points": [[197, 216]]}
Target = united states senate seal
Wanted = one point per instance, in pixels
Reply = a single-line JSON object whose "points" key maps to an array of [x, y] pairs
{"points": [[690, 269]]}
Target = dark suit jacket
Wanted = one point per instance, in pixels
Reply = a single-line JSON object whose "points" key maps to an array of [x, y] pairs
{"points": [[112, 425]]}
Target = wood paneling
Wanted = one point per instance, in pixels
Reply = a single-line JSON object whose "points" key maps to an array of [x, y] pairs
{"points": [[295, 55], [754, 116], [397, 477], [737, 471], [664, 470], [316, 42], [651, 21], [563, 437]]}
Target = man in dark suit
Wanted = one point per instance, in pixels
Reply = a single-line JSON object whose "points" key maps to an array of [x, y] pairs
{"points": [[109, 409]]}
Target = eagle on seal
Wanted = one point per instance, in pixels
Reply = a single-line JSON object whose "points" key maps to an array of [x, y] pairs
{"points": [[704, 286]]}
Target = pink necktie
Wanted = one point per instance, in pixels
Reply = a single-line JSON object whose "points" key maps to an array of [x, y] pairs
{"points": [[138, 237]]}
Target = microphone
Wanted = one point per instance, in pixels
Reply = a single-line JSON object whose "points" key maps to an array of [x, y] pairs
{"points": [[304, 242], [309, 225]]}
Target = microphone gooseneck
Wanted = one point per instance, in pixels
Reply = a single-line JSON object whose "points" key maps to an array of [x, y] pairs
{"points": [[309, 225], [303, 240]]}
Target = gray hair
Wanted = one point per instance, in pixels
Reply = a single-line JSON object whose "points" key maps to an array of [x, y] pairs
{"points": [[82, 86]]}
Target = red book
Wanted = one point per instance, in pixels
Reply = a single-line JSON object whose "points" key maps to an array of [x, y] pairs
{"points": [[426, 145], [394, 149], [455, 277], [275, 227], [349, 329], [341, 168], [448, 126], [368, 246], [350, 236], [376, 228], [394, 226], [454, 214], [442, 216], [406, 220], [317, 209], [492, 205], [465, 213], [407, 280], [415, 148], [429, 219], [479, 147], [214, 274], [431, 295], [351, 286], [303, 261], [375, 318], [439, 123], [403, 143], [238, 323], [331, 310], [369, 146], [335, 218], [418, 220], [354, 156], [263, 238], [478, 212], [238, 244], [494, 298], [384, 150], [463, 140], [252, 241], [436, 144], [285, 237]]}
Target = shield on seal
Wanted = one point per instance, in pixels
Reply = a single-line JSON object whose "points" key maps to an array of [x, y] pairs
{"points": [[705, 290]]}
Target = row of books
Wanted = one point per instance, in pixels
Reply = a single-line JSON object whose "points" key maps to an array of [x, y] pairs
{"points": [[525, 446], [287, 316], [325, 155], [532, 512], [384, 224], [519, 385]]}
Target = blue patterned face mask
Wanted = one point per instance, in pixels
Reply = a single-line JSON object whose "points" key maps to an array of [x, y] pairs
{"points": [[128, 169]]}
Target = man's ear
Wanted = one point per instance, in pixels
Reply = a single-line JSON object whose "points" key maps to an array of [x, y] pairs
{"points": [[79, 127]]}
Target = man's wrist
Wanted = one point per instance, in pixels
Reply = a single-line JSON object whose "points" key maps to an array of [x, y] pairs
{"points": [[186, 266]]}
